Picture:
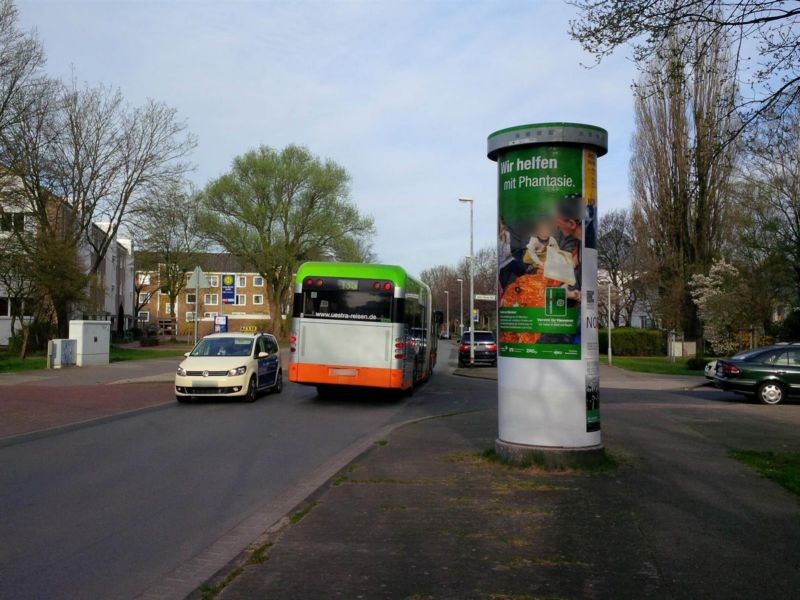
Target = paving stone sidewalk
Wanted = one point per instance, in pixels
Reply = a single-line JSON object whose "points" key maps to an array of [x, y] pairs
{"points": [[426, 516]]}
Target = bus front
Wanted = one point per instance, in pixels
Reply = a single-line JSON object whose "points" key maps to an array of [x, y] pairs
{"points": [[345, 330]]}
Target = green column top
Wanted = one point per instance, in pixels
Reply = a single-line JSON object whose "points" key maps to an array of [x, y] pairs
{"points": [[549, 134]]}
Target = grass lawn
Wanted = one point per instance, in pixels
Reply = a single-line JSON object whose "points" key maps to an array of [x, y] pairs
{"points": [[38, 360], [782, 467], [651, 364]]}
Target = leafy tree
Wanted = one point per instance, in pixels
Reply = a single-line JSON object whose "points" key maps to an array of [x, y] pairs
{"points": [[278, 209], [681, 168], [650, 26], [719, 298]]}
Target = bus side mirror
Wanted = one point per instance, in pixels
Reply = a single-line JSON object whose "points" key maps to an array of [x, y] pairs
{"points": [[438, 317]]}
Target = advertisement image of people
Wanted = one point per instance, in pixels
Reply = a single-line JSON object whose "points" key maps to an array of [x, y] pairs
{"points": [[542, 227]]}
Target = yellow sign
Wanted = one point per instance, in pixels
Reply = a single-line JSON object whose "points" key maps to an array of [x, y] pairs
{"points": [[227, 279], [248, 329]]}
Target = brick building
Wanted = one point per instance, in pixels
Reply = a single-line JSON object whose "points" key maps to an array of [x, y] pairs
{"points": [[249, 312]]}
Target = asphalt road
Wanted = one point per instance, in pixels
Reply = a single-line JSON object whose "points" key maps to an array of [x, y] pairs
{"points": [[152, 504]]}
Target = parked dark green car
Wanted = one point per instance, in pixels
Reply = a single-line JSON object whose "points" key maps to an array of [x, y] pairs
{"points": [[771, 373]]}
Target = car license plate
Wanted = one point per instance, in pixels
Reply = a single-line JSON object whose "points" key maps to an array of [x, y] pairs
{"points": [[342, 372]]}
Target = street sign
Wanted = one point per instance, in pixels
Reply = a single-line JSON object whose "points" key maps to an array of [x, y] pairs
{"points": [[485, 296], [228, 289], [197, 280]]}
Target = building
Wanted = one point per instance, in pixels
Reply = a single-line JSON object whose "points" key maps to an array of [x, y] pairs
{"points": [[110, 296], [249, 311]]}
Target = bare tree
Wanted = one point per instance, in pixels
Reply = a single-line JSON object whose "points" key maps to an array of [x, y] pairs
{"points": [[617, 255], [21, 57], [769, 73], [681, 168], [171, 238], [771, 176], [81, 156]]}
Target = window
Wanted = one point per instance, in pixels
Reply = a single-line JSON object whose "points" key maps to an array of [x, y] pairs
{"points": [[211, 299], [190, 316], [258, 281], [144, 297], [12, 221], [144, 278], [258, 299], [3, 306], [168, 308], [213, 281], [241, 281], [209, 315], [144, 315], [241, 299], [191, 298]]}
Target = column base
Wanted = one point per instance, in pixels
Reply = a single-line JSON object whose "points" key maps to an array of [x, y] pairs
{"points": [[550, 457]]}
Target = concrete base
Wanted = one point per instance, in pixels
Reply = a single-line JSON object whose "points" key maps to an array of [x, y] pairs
{"points": [[550, 457]]}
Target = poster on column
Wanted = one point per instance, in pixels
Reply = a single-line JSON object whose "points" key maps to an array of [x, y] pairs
{"points": [[547, 221]]}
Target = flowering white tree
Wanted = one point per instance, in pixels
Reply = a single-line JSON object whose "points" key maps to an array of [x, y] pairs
{"points": [[721, 303]]}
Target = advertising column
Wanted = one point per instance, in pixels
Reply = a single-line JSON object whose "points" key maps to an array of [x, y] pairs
{"points": [[548, 363]]}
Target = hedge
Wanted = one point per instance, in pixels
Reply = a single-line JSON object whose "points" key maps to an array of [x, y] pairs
{"points": [[632, 341]]}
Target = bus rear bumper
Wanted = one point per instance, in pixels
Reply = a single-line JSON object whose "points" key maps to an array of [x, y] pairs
{"points": [[342, 375]]}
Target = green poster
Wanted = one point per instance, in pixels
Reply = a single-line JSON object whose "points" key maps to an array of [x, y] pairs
{"points": [[540, 247]]}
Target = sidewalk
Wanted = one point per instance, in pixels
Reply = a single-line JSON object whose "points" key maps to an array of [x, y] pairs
{"points": [[614, 378], [34, 402], [425, 516]]}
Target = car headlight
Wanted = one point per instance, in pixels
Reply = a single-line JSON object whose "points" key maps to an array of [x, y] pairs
{"points": [[181, 371], [237, 371]]}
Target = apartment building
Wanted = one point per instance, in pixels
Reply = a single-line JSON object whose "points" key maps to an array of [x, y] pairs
{"points": [[245, 305]]}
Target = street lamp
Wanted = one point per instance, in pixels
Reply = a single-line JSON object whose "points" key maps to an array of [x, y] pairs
{"points": [[461, 309], [471, 203], [447, 320]]}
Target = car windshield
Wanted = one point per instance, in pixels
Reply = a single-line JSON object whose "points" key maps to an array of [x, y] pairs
{"points": [[480, 336], [223, 346]]}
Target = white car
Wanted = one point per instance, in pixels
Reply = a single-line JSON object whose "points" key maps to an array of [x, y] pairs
{"points": [[230, 365]]}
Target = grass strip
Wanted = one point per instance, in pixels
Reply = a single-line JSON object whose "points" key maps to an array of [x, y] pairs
{"points": [[652, 364], [781, 467]]}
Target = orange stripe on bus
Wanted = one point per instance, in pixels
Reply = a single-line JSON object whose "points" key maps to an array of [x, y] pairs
{"points": [[343, 375]]}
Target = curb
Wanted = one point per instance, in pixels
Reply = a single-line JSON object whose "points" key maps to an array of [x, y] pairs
{"points": [[13, 440]]}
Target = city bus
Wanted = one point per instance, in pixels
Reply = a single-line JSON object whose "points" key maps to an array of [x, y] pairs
{"points": [[361, 325]]}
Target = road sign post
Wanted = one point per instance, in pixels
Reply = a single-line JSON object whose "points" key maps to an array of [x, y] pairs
{"points": [[197, 281]]}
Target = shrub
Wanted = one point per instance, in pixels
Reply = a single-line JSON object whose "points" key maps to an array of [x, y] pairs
{"points": [[148, 341], [631, 341], [790, 328], [696, 364]]}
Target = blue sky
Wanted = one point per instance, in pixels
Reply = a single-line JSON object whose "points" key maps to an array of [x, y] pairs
{"points": [[401, 93]]}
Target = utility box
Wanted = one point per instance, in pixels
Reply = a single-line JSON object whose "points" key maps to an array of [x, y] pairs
{"points": [[92, 341], [61, 353]]}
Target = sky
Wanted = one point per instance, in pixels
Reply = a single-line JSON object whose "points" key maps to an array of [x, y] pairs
{"points": [[402, 94]]}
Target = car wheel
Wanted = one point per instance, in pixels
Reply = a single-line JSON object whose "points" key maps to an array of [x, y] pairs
{"points": [[278, 387], [770, 392], [252, 390]]}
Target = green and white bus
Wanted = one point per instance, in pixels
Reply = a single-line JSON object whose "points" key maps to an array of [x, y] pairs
{"points": [[361, 325]]}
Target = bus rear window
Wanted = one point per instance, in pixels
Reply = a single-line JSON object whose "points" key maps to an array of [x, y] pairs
{"points": [[347, 304]]}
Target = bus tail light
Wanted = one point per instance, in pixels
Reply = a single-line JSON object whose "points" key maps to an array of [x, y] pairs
{"points": [[399, 345], [387, 286], [293, 343], [398, 356]]}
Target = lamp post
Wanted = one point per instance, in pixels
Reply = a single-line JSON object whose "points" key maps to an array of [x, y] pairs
{"points": [[610, 324], [447, 319], [471, 203], [461, 309]]}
